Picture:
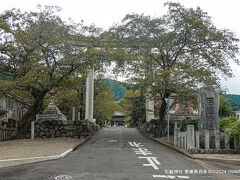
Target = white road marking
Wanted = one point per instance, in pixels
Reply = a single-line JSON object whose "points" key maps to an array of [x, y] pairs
{"points": [[63, 177], [183, 177], [153, 162], [171, 177], [160, 176], [135, 144], [142, 151]]}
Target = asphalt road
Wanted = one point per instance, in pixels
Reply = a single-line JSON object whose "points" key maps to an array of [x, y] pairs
{"points": [[121, 154]]}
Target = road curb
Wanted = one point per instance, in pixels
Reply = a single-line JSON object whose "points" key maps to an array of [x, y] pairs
{"points": [[20, 161], [85, 140], [230, 161]]}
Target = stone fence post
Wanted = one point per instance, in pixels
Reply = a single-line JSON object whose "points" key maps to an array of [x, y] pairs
{"points": [[184, 140], [207, 143], [176, 136], [226, 139], [32, 129], [197, 140], [217, 139]]}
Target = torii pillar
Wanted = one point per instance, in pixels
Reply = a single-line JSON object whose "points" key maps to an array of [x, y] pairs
{"points": [[89, 96], [149, 107]]}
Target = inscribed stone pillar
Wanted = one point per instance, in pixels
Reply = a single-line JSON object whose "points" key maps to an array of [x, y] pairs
{"points": [[207, 143], [89, 96], [190, 137], [208, 103], [217, 139], [149, 107]]}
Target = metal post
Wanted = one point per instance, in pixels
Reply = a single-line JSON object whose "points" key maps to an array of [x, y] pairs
{"points": [[169, 102]]}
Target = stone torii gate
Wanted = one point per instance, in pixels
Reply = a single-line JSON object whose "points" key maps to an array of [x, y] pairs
{"points": [[89, 96]]}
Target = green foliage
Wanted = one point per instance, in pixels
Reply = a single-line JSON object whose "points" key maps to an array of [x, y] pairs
{"points": [[235, 129], [40, 51], [225, 109], [192, 122], [104, 104], [226, 122], [132, 104], [175, 53]]}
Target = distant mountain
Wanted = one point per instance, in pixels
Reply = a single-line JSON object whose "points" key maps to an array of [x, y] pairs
{"points": [[118, 89], [235, 101]]}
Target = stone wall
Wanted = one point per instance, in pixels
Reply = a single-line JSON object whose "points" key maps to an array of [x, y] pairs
{"points": [[56, 128], [52, 123]]}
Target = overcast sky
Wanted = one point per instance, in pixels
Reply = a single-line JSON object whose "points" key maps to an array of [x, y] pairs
{"points": [[103, 13]]}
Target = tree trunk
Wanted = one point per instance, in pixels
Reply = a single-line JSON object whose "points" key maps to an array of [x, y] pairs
{"points": [[24, 124], [161, 122]]}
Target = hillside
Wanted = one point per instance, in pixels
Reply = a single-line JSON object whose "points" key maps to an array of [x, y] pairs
{"points": [[118, 89], [235, 101]]}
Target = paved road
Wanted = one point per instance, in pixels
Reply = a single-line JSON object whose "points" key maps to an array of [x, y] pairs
{"points": [[120, 154]]}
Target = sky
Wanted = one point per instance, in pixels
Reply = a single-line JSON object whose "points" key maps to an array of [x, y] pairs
{"points": [[104, 13]]}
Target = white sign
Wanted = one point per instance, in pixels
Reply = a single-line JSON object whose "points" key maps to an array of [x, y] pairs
{"points": [[169, 101]]}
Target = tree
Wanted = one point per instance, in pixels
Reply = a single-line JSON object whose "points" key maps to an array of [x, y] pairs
{"points": [[40, 51], [225, 109], [71, 94], [104, 103], [176, 53], [133, 105]]}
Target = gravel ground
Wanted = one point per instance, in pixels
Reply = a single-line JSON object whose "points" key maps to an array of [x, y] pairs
{"points": [[27, 148]]}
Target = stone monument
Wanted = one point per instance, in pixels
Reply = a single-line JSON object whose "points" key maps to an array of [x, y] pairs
{"points": [[51, 113], [208, 103]]}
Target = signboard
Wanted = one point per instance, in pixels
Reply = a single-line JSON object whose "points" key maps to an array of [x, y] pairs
{"points": [[169, 101]]}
